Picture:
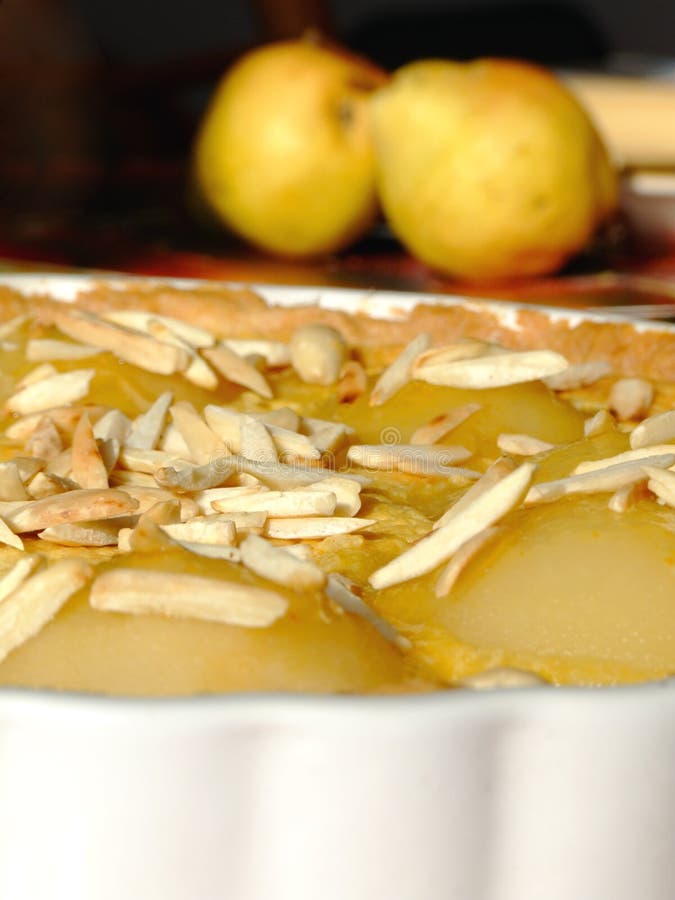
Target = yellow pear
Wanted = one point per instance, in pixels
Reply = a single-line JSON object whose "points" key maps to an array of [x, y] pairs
{"points": [[284, 155], [489, 169]]}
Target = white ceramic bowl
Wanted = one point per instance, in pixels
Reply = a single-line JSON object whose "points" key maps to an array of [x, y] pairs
{"points": [[525, 794]]}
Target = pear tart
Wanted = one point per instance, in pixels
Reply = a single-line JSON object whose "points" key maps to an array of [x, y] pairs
{"points": [[201, 493]]}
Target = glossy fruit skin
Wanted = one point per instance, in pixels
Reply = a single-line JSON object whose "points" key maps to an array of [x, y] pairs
{"points": [[489, 170], [284, 155]]}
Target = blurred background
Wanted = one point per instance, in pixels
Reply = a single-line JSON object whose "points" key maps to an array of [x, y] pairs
{"points": [[99, 102]]}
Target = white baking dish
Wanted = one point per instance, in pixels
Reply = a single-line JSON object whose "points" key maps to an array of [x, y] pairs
{"points": [[529, 794]]}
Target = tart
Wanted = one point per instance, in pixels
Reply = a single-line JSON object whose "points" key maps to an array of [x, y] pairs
{"points": [[203, 493]]}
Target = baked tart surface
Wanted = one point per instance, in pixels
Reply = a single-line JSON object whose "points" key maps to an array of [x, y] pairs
{"points": [[200, 493]]}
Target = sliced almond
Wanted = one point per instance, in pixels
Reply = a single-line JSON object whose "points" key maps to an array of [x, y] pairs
{"points": [[494, 369], [226, 423], [412, 458], [353, 382], [284, 504], [131, 346], [658, 429], [606, 480], [498, 470], [212, 551], [147, 537], [13, 578], [579, 375], [61, 465], [602, 422], [661, 483], [110, 453], [197, 371], [462, 557], [203, 531], [522, 444], [65, 419], [398, 374], [39, 350], [146, 428], [120, 478], [282, 476], [8, 537], [147, 461], [244, 522], [203, 443], [438, 546], [205, 498], [627, 496], [140, 320], [347, 493], [291, 445], [630, 398], [28, 466], [145, 591], [46, 485], [641, 454], [326, 437], [37, 600], [317, 353], [113, 425], [88, 468], [256, 442], [438, 427], [281, 417], [187, 478], [275, 353], [86, 534], [146, 497], [45, 441], [278, 565], [342, 592], [11, 485], [313, 528], [74, 506], [46, 370], [64, 387], [236, 369]]}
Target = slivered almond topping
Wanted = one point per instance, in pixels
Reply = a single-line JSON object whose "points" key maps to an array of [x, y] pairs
{"points": [[317, 353], [347, 493], [256, 442], [437, 428], [278, 565], [45, 441], [203, 443], [147, 461], [439, 356], [501, 677], [522, 444], [61, 464], [13, 578], [630, 398], [204, 498], [88, 469], [172, 442], [47, 349], [283, 417], [498, 470], [412, 458], [113, 425], [601, 422], [187, 477], [46, 370], [146, 429], [120, 477], [226, 423], [46, 485], [164, 512], [627, 496], [140, 320], [579, 376], [658, 429], [146, 497], [281, 476], [74, 506], [290, 444], [86, 534], [244, 522], [281, 503], [147, 537], [398, 374], [327, 437], [8, 537], [64, 387], [145, 591], [11, 326], [236, 369], [131, 346], [462, 557], [438, 546], [599, 481], [313, 528], [494, 369], [11, 485], [342, 591], [275, 353], [661, 483], [352, 383], [202, 531], [110, 453], [28, 466], [37, 600], [212, 551], [65, 418], [197, 371], [641, 454]]}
